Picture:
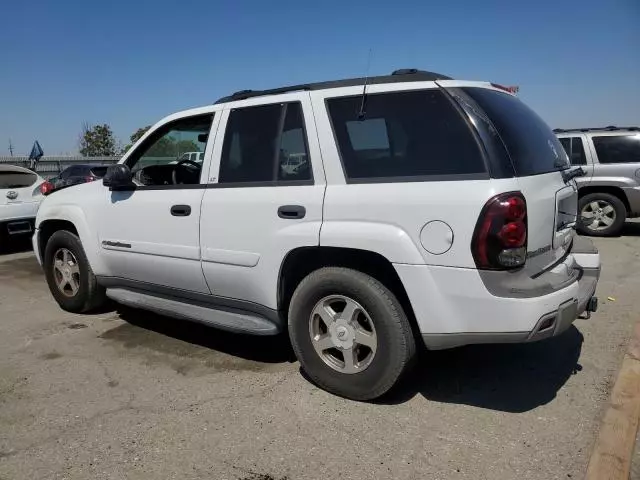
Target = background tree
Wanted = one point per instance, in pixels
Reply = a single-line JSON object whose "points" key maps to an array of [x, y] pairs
{"points": [[97, 141], [135, 137]]}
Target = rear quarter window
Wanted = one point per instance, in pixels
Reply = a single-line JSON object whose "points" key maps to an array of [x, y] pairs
{"points": [[411, 136], [532, 146]]}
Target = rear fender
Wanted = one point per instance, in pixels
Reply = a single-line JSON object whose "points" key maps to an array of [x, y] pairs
{"points": [[390, 241]]}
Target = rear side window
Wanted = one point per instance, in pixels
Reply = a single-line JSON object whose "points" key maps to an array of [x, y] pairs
{"points": [[618, 149], [404, 135], [532, 146], [265, 144], [574, 149]]}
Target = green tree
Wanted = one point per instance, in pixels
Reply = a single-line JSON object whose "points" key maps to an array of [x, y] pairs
{"points": [[137, 135], [97, 141]]}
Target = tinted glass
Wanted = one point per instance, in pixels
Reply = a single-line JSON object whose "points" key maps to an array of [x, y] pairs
{"points": [[265, 144], [405, 134], [532, 146], [618, 149], [574, 149]]}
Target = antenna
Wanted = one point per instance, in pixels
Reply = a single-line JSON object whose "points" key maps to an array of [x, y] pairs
{"points": [[361, 112]]}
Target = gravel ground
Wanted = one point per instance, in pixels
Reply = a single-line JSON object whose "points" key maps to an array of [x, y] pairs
{"points": [[131, 395]]}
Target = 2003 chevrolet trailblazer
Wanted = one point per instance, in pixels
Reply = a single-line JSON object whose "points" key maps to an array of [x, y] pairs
{"points": [[418, 208]]}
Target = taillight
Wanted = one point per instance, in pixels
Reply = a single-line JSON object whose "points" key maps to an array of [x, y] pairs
{"points": [[500, 238], [46, 188]]}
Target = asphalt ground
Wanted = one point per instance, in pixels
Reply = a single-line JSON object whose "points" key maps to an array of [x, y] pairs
{"points": [[131, 395]]}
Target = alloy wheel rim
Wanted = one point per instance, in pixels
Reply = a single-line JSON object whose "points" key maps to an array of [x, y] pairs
{"points": [[66, 272], [343, 334], [598, 215]]}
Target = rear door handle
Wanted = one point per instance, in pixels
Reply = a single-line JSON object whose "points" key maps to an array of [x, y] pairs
{"points": [[181, 210], [292, 212]]}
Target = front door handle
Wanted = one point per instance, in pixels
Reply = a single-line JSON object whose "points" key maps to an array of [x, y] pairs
{"points": [[181, 210], [292, 212]]}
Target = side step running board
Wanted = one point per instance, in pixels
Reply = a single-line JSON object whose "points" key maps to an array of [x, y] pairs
{"points": [[234, 321]]}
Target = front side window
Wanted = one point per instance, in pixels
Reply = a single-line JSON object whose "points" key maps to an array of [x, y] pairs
{"points": [[411, 135], [618, 149], [266, 143], [575, 150], [165, 157]]}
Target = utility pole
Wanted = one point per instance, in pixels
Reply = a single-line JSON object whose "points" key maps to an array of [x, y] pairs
{"points": [[10, 148]]}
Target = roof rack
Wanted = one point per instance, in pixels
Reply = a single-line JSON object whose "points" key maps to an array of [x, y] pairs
{"points": [[610, 128], [402, 75]]}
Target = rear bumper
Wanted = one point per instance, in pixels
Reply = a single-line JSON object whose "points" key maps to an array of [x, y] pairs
{"points": [[18, 211], [453, 307]]}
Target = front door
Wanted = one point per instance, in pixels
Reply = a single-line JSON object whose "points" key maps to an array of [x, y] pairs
{"points": [[266, 199], [149, 235]]}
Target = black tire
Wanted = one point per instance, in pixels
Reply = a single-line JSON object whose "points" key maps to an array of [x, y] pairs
{"points": [[90, 295], [396, 347], [618, 207]]}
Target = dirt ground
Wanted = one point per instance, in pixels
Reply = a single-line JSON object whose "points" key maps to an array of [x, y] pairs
{"points": [[131, 395]]}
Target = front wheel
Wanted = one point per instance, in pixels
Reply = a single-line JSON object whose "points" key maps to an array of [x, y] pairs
{"points": [[69, 275], [350, 333], [601, 214]]}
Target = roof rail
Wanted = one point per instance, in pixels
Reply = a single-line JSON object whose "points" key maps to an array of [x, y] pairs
{"points": [[610, 128], [402, 75]]}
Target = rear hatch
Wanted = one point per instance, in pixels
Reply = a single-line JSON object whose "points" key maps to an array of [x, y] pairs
{"points": [[17, 185], [538, 160]]}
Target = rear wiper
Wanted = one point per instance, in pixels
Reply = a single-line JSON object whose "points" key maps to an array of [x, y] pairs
{"points": [[570, 174]]}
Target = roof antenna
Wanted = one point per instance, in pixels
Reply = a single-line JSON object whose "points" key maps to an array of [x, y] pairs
{"points": [[362, 112]]}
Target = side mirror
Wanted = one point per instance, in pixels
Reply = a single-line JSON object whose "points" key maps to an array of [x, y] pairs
{"points": [[118, 176]]}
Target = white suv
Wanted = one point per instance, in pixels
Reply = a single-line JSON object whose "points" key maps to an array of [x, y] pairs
{"points": [[425, 209]]}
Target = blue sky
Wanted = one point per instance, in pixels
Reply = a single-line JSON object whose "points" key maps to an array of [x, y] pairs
{"points": [[129, 63]]}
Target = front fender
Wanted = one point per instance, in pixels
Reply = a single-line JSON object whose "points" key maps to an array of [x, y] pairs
{"points": [[76, 216], [390, 241]]}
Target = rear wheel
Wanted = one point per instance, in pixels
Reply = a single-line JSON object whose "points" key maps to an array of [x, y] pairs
{"points": [[69, 275], [350, 333], [601, 214]]}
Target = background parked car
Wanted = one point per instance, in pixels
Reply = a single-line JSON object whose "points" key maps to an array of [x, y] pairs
{"points": [[610, 190], [74, 175], [20, 197]]}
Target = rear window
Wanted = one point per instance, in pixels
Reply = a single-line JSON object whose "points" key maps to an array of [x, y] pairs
{"points": [[532, 146], [617, 149], [17, 179], [403, 135]]}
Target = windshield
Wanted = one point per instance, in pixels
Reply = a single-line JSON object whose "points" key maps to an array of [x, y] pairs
{"points": [[532, 145]]}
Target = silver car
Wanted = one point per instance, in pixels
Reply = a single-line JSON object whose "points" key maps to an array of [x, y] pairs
{"points": [[610, 189]]}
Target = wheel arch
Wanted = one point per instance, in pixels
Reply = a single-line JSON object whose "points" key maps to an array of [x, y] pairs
{"points": [[611, 190], [300, 262], [74, 221]]}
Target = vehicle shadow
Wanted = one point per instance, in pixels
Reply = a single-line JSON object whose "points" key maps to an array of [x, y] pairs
{"points": [[510, 377], [267, 349], [10, 245], [631, 229]]}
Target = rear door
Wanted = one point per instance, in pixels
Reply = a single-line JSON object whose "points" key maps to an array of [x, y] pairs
{"points": [[255, 210], [537, 158]]}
